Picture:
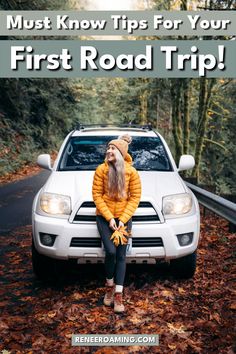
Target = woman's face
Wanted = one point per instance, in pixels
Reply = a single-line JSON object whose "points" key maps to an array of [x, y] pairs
{"points": [[111, 153]]}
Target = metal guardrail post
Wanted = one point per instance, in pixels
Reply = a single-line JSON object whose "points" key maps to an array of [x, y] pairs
{"points": [[217, 204]]}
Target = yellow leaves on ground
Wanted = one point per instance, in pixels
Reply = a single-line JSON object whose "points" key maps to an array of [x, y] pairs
{"points": [[52, 314], [176, 328], [3, 325], [181, 291], [167, 293], [215, 316], [77, 296], [233, 306], [179, 329]]}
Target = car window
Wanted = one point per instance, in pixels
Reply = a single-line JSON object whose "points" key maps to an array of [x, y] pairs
{"points": [[86, 153]]}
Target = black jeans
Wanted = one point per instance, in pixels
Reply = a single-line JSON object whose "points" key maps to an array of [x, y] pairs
{"points": [[115, 258]]}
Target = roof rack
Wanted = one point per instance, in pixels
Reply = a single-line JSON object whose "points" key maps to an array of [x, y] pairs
{"points": [[106, 125]]}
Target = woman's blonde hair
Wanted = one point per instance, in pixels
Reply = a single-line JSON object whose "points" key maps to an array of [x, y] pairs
{"points": [[116, 177]]}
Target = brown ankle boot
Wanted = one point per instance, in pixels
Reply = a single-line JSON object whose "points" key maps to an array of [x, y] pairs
{"points": [[108, 298], [118, 303]]}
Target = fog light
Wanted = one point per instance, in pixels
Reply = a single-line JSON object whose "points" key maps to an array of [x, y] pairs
{"points": [[185, 239], [47, 239]]}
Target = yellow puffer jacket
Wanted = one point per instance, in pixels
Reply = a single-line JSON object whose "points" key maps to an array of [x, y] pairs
{"points": [[122, 208]]}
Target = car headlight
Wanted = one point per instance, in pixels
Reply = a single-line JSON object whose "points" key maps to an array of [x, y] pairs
{"points": [[177, 204], [55, 204]]}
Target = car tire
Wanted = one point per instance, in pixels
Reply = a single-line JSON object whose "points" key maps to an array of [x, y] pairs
{"points": [[184, 267], [42, 265]]}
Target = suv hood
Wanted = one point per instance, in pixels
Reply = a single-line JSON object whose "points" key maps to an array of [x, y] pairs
{"points": [[78, 185]]}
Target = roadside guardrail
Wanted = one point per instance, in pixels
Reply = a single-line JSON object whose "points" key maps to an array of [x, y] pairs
{"points": [[217, 204]]}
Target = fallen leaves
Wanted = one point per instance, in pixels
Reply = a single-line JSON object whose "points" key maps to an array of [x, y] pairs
{"points": [[233, 306], [179, 329], [167, 294], [194, 316], [181, 291], [25, 171], [3, 325], [215, 316]]}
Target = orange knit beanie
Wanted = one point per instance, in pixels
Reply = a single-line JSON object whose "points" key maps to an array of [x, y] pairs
{"points": [[122, 144]]}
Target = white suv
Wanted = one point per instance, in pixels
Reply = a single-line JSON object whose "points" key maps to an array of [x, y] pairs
{"points": [[165, 225]]}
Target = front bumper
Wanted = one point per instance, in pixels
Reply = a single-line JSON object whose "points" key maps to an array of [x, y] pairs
{"points": [[65, 231]]}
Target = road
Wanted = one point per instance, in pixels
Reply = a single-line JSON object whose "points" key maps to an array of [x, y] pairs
{"points": [[16, 201]]}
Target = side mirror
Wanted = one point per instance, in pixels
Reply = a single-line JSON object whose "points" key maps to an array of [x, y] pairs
{"points": [[44, 161], [186, 162]]}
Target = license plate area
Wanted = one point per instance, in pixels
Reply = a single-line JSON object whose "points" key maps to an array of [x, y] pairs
{"points": [[129, 246]]}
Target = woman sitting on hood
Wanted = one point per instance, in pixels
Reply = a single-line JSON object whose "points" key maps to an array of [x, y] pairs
{"points": [[116, 193]]}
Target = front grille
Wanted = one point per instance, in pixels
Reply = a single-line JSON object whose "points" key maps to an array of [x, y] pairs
{"points": [[86, 213], [145, 218], [97, 243], [145, 205], [85, 218], [138, 218], [86, 242], [91, 204], [147, 242], [88, 205]]}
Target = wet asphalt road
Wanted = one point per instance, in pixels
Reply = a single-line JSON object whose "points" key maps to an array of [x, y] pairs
{"points": [[16, 201]]}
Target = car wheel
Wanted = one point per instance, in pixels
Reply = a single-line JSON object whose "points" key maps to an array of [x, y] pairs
{"points": [[184, 267], [42, 265]]}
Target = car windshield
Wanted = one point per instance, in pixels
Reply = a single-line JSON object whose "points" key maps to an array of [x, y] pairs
{"points": [[86, 153]]}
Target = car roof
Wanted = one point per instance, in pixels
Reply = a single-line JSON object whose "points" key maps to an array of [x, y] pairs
{"points": [[114, 131]]}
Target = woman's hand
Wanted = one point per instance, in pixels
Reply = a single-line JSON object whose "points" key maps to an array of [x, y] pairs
{"points": [[121, 224], [112, 224]]}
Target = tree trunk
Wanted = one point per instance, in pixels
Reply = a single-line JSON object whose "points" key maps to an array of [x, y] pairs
{"points": [[176, 88], [186, 115], [144, 107], [144, 101], [184, 5], [204, 100], [157, 108]]}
